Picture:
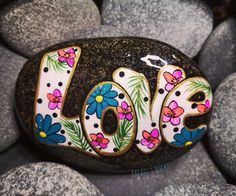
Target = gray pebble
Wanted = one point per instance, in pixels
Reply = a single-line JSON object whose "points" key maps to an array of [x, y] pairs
{"points": [[194, 166], [198, 189], [45, 178], [30, 26], [218, 56], [222, 127], [182, 24], [10, 66]]}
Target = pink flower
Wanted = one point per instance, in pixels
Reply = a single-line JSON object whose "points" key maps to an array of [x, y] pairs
{"points": [[150, 140], [55, 99], [172, 113], [204, 108], [124, 111], [99, 140], [68, 56], [172, 79]]}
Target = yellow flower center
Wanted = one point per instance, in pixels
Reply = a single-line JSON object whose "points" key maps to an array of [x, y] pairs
{"points": [[99, 98], [188, 143], [42, 134]]}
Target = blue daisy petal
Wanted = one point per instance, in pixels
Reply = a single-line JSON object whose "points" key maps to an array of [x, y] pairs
{"points": [[111, 94], [99, 111], [201, 133], [175, 143], [91, 100], [186, 134], [105, 88], [92, 108], [56, 138], [111, 102], [47, 123], [96, 92], [104, 105], [54, 128], [39, 121], [179, 138]]}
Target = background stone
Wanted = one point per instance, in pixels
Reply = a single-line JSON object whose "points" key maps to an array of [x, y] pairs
{"points": [[183, 24], [198, 189], [218, 56], [222, 127], [30, 26], [194, 166], [45, 178], [10, 66]]}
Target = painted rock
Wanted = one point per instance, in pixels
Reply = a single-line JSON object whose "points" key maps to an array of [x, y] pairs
{"points": [[113, 104]]}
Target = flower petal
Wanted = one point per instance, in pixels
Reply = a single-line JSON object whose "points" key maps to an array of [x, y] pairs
{"points": [[100, 135], [119, 109], [155, 133], [146, 135], [155, 141], [124, 105], [93, 136], [186, 134], [144, 142], [47, 122], [59, 105], [121, 116], [56, 138], [103, 146], [129, 116], [173, 104], [92, 108], [167, 111], [39, 121], [52, 105], [57, 93], [111, 94], [70, 62], [111, 102], [105, 88], [178, 111], [71, 51], [150, 145], [61, 52], [175, 121], [169, 77], [99, 110], [129, 109], [207, 103], [54, 128], [179, 138], [61, 59], [104, 105], [95, 143], [91, 99], [177, 74], [96, 92], [169, 87], [165, 119], [105, 141]]}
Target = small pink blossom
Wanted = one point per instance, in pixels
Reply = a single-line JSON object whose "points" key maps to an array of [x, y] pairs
{"points": [[55, 99], [172, 113], [99, 140], [67, 56], [124, 111], [172, 79], [150, 139], [204, 108]]}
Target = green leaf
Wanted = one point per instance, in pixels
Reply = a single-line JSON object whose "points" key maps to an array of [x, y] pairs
{"points": [[76, 135], [196, 85], [122, 138], [53, 63], [139, 91]]}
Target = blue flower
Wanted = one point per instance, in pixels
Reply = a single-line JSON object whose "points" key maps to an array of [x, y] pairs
{"points": [[46, 132], [100, 99], [187, 137]]}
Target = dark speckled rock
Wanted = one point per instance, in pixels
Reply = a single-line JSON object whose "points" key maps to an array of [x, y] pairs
{"points": [[113, 104]]}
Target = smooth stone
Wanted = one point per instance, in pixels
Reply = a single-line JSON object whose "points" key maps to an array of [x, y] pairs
{"points": [[10, 66], [186, 28], [218, 57], [118, 60], [222, 127], [195, 167], [29, 26], [207, 188], [45, 178]]}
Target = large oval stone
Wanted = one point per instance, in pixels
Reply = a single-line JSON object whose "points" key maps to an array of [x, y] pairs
{"points": [[113, 104]]}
